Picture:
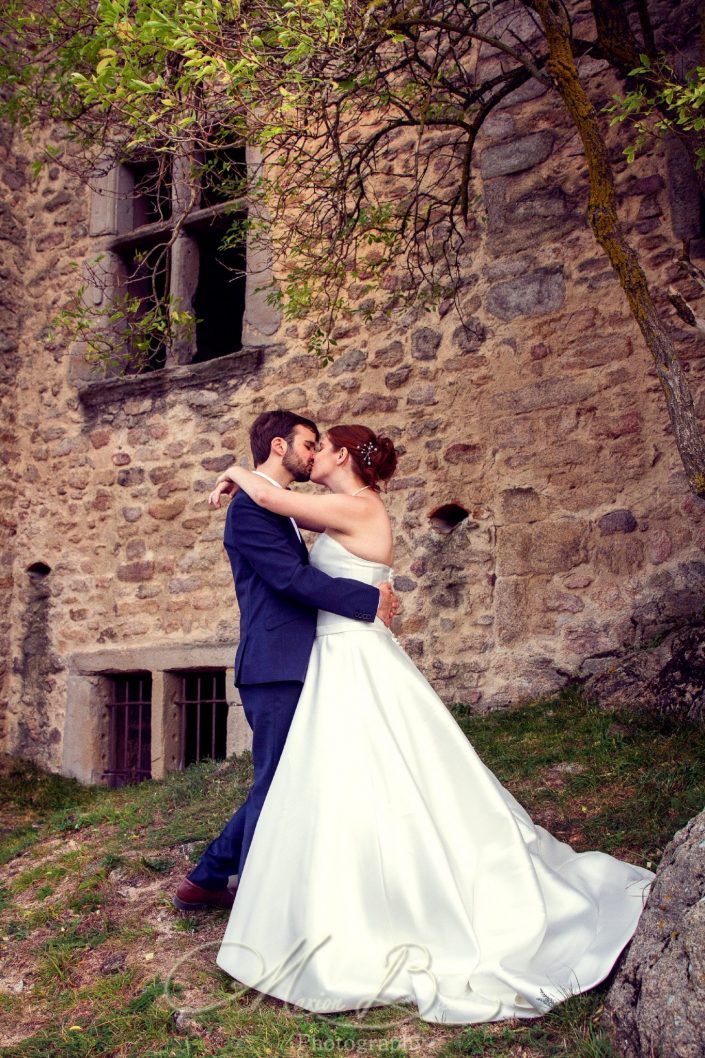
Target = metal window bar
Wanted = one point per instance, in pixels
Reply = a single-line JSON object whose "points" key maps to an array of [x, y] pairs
{"points": [[203, 717], [130, 729]]}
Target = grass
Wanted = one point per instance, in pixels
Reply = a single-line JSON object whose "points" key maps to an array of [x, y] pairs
{"points": [[90, 939]]}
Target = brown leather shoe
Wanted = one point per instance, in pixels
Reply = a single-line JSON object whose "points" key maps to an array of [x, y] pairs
{"points": [[192, 897]]}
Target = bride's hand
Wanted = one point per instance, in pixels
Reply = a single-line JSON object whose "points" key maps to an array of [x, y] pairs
{"points": [[225, 486], [388, 603]]}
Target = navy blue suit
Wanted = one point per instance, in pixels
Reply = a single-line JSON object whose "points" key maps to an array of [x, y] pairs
{"points": [[279, 595]]}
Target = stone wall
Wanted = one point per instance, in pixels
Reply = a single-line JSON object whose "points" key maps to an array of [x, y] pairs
{"points": [[539, 413], [12, 249]]}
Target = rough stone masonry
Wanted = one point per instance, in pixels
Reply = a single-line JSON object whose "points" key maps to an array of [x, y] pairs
{"points": [[539, 413]]}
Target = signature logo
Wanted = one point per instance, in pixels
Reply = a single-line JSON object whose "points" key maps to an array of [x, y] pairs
{"points": [[408, 986]]}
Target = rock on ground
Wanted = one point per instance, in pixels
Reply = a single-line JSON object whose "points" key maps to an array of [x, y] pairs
{"points": [[669, 680], [656, 1005]]}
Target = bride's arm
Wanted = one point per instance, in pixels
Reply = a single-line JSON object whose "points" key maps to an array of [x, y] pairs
{"points": [[332, 511]]}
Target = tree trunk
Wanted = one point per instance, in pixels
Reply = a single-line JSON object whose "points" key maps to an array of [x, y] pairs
{"points": [[607, 228]]}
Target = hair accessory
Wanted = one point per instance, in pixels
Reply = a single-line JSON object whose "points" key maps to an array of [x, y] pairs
{"points": [[366, 452]]}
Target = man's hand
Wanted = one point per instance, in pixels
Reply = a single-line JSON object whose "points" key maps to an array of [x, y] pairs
{"points": [[388, 603], [224, 487]]}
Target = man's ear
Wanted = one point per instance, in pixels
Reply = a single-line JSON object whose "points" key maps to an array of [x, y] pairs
{"points": [[278, 446]]}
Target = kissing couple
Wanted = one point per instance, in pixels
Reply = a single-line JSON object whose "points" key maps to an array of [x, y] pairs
{"points": [[379, 860]]}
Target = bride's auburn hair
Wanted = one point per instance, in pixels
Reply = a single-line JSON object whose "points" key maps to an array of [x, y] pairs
{"points": [[373, 456]]}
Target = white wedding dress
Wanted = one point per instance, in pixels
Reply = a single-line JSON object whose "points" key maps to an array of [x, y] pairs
{"points": [[389, 865]]}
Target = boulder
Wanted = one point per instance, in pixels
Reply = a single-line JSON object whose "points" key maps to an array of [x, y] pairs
{"points": [[656, 1005], [668, 680]]}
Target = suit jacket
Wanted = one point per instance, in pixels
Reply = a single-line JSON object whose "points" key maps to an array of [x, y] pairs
{"points": [[280, 594]]}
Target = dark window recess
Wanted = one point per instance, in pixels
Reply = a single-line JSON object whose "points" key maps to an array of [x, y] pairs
{"points": [[219, 304], [146, 271], [222, 175], [214, 262], [151, 194], [130, 733], [204, 717]]}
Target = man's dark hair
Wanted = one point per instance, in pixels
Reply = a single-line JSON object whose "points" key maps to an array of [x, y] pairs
{"points": [[271, 424]]}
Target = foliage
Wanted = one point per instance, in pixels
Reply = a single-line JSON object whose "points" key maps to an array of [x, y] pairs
{"points": [[360, 117], [661, 103], [364, 117]]}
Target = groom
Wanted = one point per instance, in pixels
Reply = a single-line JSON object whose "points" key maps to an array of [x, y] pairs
{"points": [[279, 595]]}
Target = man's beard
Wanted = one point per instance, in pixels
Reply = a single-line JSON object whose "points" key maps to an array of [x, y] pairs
{"points": [[299, 470]]}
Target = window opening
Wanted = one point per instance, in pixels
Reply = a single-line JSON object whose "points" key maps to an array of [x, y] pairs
{"points": [[130, 729], [204, 717]]}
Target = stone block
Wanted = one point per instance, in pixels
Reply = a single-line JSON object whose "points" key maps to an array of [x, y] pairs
{"points": [[463, 452], [469, 336], [545, 547], [619, 521], [619, 555], [395, 379], [498, 126], [517, 155], [158, 475], [422, 394], [131, 476], [660, 546], [424, 343], [532, 89], [645, 185], [520, 505], [135, 549], [559, 392], [352, 360], [166, 512], [85, 742], [217, 464], [536, 293], [404, 584], [508, 267], [511, 609], [562, 602], [135, 572], [184, 585], [389, 355], [373, 402], [683, 192]]}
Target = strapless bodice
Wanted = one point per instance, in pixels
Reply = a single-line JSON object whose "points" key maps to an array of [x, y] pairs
{"points": [[334, 559]]}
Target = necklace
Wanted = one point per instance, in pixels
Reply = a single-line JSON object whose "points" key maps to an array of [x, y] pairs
{"points": [[361, 490]]}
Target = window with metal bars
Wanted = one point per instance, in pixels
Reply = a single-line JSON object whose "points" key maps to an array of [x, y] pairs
{"points": [[130, 729], [204, 716]]}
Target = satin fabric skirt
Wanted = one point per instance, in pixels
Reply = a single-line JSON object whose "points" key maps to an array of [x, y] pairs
{"points": [[389, 865]]}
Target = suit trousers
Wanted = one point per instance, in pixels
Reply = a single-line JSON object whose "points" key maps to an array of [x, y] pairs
{"points": [[269, 708]]}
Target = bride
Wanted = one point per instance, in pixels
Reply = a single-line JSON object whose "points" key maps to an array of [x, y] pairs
{"points": [[389, 865]]}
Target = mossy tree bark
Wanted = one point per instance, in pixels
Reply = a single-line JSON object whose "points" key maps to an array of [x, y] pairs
{"points": [[608, 230]]}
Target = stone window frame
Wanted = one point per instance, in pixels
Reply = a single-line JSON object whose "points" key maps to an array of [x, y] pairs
{"points": [[108, 233], [686, 202], [86, 733]]}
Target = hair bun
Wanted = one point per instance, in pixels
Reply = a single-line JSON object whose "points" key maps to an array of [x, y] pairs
{"points": [[384, 458], [374, 457]]}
